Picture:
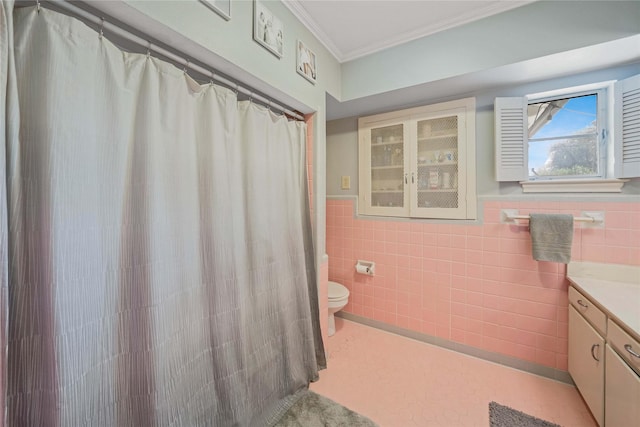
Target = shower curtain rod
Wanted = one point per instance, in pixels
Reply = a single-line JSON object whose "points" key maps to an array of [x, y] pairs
{"points": [[121, 32]]}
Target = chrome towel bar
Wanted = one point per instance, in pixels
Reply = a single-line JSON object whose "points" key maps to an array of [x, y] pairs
{"points": [[511, 216]]}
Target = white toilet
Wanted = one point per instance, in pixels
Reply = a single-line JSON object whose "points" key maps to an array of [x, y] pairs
{"points": [[338, 298]]}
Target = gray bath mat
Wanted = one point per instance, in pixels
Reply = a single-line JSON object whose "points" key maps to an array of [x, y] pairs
{"points": [[503, 416], [313, 410]]}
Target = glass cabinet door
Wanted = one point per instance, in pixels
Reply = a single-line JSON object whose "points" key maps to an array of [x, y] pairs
{"points": [[387, 167], [437, 163]]}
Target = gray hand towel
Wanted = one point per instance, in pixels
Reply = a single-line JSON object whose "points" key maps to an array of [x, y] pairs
{"points": [[551, 236]]}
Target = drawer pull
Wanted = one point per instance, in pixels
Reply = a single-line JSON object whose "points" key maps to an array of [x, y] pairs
{"points": [[593, 347], [630, 350], [582, 303]]}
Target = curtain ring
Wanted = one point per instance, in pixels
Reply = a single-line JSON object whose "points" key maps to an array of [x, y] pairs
{"points": [[269, 105], [186, 65], [236, 89], [101, 27], [148, 49], [213, 76]]}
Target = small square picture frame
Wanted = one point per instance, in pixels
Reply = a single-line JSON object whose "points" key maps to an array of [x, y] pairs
{"points": [[268, 30], [221, 7], [306, 62]]}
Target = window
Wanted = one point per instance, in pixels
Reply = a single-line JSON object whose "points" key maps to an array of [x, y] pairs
{"points": [[567, 137], [572, 140]]}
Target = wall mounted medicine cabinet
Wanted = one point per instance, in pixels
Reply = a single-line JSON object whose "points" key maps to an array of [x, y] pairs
{"points": [[419, 162]]}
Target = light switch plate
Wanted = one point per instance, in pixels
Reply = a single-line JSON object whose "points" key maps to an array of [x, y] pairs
{"points": [[346, 182]]}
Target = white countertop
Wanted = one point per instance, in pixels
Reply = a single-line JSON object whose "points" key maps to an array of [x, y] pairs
{"points": [[616, 289]]}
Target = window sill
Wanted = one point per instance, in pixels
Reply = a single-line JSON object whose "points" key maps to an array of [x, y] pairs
{"points": [[574, 186]]}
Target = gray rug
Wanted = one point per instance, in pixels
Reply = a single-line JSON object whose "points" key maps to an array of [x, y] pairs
{"points": [[503, 416], [313, 410]]}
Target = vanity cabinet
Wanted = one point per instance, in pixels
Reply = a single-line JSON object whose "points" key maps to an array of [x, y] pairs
{"points": [[419, 162], [604, 362]]}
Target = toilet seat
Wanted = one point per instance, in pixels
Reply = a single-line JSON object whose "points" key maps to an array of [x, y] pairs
{"points": [[337, 291]]}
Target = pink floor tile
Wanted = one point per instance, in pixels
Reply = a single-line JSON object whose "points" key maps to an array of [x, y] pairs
{"points": [[400, 382]]}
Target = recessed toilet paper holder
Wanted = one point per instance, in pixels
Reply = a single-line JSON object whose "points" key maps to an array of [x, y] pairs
{"points": [[365, 267]]}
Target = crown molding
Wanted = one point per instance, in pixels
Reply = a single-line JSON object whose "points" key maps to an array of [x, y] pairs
{"points": [[295, 6], [471, 16]]}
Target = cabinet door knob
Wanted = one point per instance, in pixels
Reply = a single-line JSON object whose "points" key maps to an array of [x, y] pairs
{"points": [[630, 350], [413, 178], [593, 347], [582, 304], [405, 179]]}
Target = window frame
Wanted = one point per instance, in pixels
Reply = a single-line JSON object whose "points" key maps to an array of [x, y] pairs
{"points": [[604, 122]]}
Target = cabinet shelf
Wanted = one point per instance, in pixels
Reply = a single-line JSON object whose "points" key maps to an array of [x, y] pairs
{"points": [[387, 143], [439, 190], [431, 165], [387, 167], [446, 156], [387, 192], [422, 138]]}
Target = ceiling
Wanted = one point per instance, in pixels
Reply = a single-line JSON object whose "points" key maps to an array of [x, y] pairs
{"points": [[350, 29]]}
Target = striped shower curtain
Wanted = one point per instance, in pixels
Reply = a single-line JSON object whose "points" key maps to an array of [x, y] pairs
{"points": [[157, 262]]}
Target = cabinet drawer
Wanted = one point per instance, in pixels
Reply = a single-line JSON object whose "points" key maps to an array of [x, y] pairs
{"points": [[585, 307], [625, 345]]}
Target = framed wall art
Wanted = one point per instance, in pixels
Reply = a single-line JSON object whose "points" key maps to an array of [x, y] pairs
{"points": [[221, 7], [306, 62], [267, 28]]}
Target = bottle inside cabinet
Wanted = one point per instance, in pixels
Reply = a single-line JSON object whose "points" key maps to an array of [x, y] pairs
{"points": [[434, 179]]}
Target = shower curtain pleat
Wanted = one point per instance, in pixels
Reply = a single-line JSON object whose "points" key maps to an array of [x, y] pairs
{"points": [[159, 266], [9, 125]]}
